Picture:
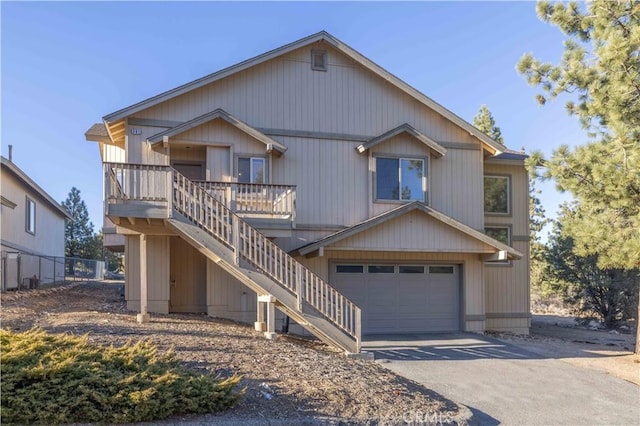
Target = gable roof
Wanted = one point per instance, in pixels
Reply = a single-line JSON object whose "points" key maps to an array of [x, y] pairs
{"points": [[214, 115], [493, 146], [10, 165], [97, 133], [437, 149], [401, 211]]}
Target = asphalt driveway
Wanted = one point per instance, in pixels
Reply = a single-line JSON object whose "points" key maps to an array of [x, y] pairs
{"points": [[503, 383]]}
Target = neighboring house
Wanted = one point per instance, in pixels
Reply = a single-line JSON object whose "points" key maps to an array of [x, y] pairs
{"points": [[312, 180], [32, 230]]}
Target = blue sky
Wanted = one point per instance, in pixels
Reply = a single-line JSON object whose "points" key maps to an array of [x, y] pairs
{"points": [[67, 64]]}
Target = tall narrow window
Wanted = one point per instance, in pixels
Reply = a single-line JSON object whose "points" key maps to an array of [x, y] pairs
{"points": [[251, 170], [30, 220], [497, 194], [400, 179]]}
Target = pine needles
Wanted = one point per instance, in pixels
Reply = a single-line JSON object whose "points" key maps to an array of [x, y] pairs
{"points": [[51, 379]]}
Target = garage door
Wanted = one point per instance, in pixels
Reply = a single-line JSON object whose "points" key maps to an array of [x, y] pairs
{"points": [[402, 298]]}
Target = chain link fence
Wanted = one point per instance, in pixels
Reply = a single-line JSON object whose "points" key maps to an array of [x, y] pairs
{"points": [[24, 270]]}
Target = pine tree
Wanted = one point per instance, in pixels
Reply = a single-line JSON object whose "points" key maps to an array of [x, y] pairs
{"points": [[485, 122], [600, 72], [78, 232], [607, 293]]}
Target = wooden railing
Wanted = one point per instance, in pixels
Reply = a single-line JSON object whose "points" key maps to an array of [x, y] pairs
{"points": [[136, 182], [197, 204], [254, 198]]}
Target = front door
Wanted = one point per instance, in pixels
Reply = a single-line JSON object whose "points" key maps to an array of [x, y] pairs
{"points": [[192, 171]]}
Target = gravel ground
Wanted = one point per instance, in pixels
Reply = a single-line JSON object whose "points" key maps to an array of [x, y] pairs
{"points": [[287, 381]]}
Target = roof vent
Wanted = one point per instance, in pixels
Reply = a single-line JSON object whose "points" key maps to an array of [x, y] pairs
{"points": [[319, 60]]}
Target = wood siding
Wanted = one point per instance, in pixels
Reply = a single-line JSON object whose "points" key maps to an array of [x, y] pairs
{"points": [[335, 183], [285, 93], [413, 231], [48, 239], [228, 297], [157, 272], [188, 278], [508, 287]]}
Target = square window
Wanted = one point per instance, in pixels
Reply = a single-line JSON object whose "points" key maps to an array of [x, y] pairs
{"points": [[500, 233], [497, 194], [400, 179], [319, 60], [251, 170]]}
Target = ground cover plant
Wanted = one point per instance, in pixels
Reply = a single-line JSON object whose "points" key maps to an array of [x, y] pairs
{"points": [[61, 378]]}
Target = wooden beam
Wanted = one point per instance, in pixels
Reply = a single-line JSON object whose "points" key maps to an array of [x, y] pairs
{"points": [[143, 316], [499, 256]]}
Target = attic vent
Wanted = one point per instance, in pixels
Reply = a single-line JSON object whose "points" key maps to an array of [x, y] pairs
{"points": [[319, 60]]}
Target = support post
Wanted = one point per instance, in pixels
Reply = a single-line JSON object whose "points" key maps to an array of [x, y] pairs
{"points": [[270, 301], [260, 324], [143, 316]]}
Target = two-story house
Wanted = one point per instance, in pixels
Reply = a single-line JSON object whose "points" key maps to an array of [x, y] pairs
{"points": [[32, 232], [311, 180]]}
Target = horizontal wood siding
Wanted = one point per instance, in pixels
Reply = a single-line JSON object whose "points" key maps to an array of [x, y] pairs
{"points": [[49, 236], [157, 272]]}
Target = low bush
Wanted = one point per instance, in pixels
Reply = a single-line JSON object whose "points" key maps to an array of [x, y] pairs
{"points": [[49, 379]]}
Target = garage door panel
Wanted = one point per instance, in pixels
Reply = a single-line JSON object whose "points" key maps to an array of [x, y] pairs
{"points": [[404, 302]]}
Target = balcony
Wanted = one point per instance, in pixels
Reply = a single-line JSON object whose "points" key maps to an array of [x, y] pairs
{"points": [[148, 191]]}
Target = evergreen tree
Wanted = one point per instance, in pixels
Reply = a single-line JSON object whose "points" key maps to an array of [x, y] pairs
{"points": [[78, 232], [485, 122], [600, 71], [607, 293]]}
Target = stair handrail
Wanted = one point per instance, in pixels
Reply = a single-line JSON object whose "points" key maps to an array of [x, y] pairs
{"points": [[211, 215]]}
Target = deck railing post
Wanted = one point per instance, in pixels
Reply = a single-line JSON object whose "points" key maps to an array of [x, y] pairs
{"points": [[169, 193], [358, 330], [299, 284], [236, 240], [234, 197]]}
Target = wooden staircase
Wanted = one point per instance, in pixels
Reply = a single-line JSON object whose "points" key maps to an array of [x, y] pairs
{"points": [[253, 259]]}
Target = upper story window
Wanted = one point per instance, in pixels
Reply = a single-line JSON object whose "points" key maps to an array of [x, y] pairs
{"points": [[497, 194], [400, 179], [30, 216], [252, 170], [319, 60]]}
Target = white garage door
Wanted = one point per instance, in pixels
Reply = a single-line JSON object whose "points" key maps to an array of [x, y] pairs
{"points": [[402, 298]]}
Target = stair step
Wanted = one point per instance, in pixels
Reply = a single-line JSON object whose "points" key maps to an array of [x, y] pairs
{"points": [[218, 252]]}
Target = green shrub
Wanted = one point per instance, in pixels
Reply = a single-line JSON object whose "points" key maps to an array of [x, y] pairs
{"points": [[50, 379]]}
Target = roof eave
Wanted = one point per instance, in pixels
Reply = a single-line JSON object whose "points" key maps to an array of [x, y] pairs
{"points": [[35, 187]]}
